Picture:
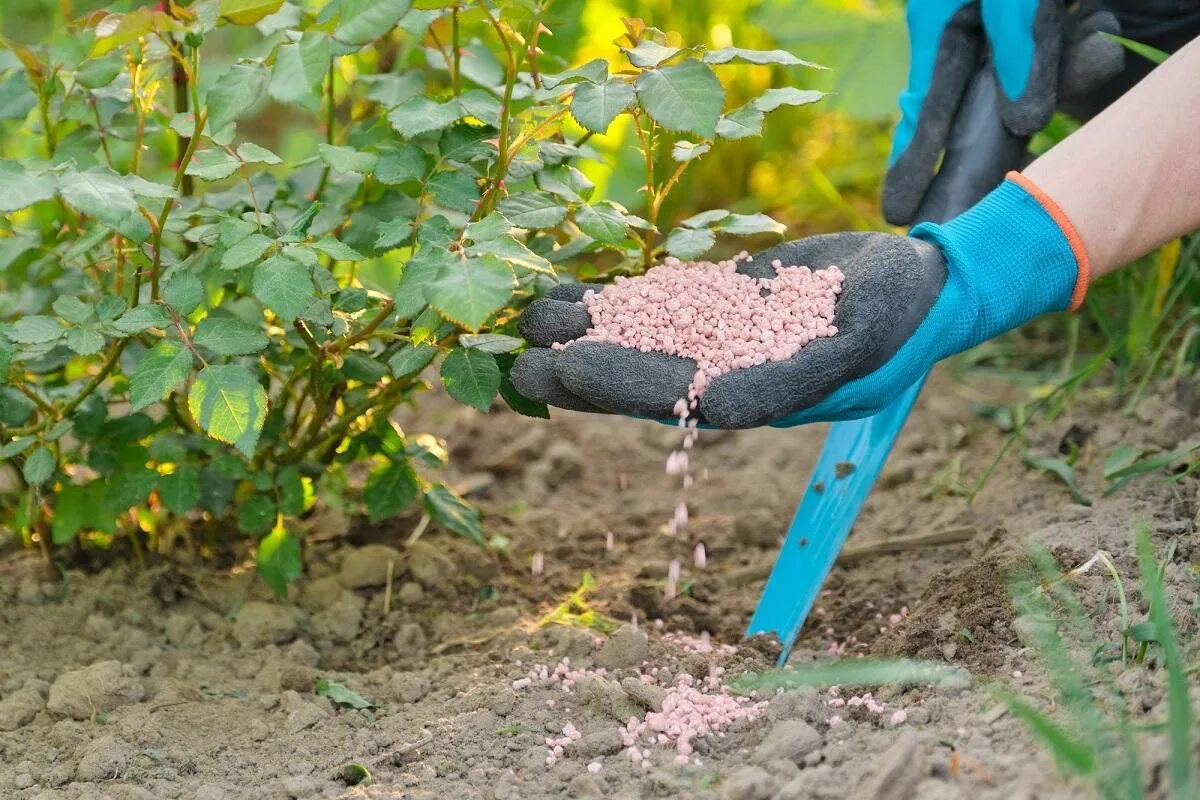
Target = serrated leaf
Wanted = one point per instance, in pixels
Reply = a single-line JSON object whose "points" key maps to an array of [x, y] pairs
{"points": [[228, 336], [347, 159], [279, 560], [750, 224], [594, 71], [229, 405], [85, 341], [603, 221], [338, 250], [469, 291], [393, 233], [256, 514], [299, 69], [140, 318], [247, 251], [649, 53], [389, 490], [234, 94], [684, 97], [464, 143], [184, 292], [490, 342], [341, 695], [455, 190], [418, 271], [212, 164], [705, 218], [39, 466], [283, 285], [471, 377], [6, 354], [686, 151], [99, 72], [36, 329], [566, 182], [98, 192], [532, 210], [781, 57], [690, 243], [20, 188], [483, 106], [742, 123], [72, 309], [362, 21], [772, 99], [595, 106], [453, 513], [159, 371], [180, 491], [491, 227], [255, 154], [70, 512], [422, 115], [247, 12], [392, 89], [514, 253], [410, 360], [401, 164]]}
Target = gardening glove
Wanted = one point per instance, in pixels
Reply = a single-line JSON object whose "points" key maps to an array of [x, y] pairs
{"points": [[907, 302], [1041, 54]]}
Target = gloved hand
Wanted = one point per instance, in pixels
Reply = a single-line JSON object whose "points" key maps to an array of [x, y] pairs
{"points": [[907, 302], [1041, 53]]}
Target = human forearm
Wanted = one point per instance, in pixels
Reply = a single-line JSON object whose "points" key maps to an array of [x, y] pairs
{"points": [[1129, 180]]}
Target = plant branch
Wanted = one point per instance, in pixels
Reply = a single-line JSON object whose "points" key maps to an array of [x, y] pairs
{"points": [[385, 311], [330, 119], [456, 50]]}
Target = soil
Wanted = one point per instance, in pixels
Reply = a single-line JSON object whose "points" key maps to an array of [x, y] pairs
{"points": [[187, 680]]}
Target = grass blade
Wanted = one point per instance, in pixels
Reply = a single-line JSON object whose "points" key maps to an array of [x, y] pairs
{"points": [[855, 672], [1072, 756]]}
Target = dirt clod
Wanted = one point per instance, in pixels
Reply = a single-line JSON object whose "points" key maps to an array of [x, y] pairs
{"points": [[791, 739], [749, 783], [627, 647], [367, 566], [897, 771], [103, 759], [260, 624], [83, 693], [19, 708]]}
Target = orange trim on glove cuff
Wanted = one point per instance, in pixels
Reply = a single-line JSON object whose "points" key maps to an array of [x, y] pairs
{"points": [[1083, 275]]}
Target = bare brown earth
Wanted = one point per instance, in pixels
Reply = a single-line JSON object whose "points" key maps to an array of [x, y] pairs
{"points": [[186, 680]]}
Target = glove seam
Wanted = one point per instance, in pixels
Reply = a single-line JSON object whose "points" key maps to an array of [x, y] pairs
{"points": [[1074, 240]]}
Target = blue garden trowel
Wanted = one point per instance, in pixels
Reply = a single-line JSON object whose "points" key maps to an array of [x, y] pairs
{"points": [[979, 152]]}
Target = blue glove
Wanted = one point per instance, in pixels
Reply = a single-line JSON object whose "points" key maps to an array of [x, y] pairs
{"points": [[907, 302], [1039, 51]]}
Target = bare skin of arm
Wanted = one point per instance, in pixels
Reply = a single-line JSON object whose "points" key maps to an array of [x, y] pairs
{"points": [[1129, 180]]}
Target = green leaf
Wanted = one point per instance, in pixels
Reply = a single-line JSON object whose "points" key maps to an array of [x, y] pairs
{"points": [[98, 192], [143, 317], [566, 182], [604, 222], [418, 271], [279, 560], [254, 154], [247, 12], [685, 97], [234, 94], [338, 250], [299, 69], [422, 115], [39, 466], [184, 292], [389, 490], [247, 251], [742, 123], [690, 243], [284, 286], [1151, 54], [596, 106], [401, 164], [99, 72], [483, 106], [180, 491], [410, 360], [471, 377], [70, 511], [229, 336], [85, 341], [514, 253], [490, 342], [468, 291], [341, 695], [705, 218], [649, 53], [594, 71], [229, 404], [6, 354], [1062, 470], [19, 188], [686, 151], [453, 513], [212, 164], [393, 233], [36, 329], [347, 159], [491, 227], [72, 309], [158, 372], [392, 89], [362, 21], [750, 224], [782, 57], [772, 99], [256, 514], [532, 210], [455, 190]]}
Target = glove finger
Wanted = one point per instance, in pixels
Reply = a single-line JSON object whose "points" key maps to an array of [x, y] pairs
{"points": [[938, 76], [1026, 38], [533, 374], [548, 321], [1091, 59], [623, 380]]}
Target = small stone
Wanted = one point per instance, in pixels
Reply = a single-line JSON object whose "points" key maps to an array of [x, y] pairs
{"points": [[411, 593], [319, 594], [645, 694], [298, 678], [341, 621], [23, 780], [503, 702], [257, 730], [604, 742], [626, 648], [103, 759], [791, 739], [81, 693], [259, 624], [749, 783], [367, 566], [429, 564]]}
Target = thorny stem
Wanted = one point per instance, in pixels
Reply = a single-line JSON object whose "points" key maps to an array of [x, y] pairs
{"points": [[330, 108], [313, 441], [309, 341], [646, 137], [103, 133], [181, 329], [109, 363], [37, 399], [456, 50], [168, 204], [485, 205], [385, 311]]}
